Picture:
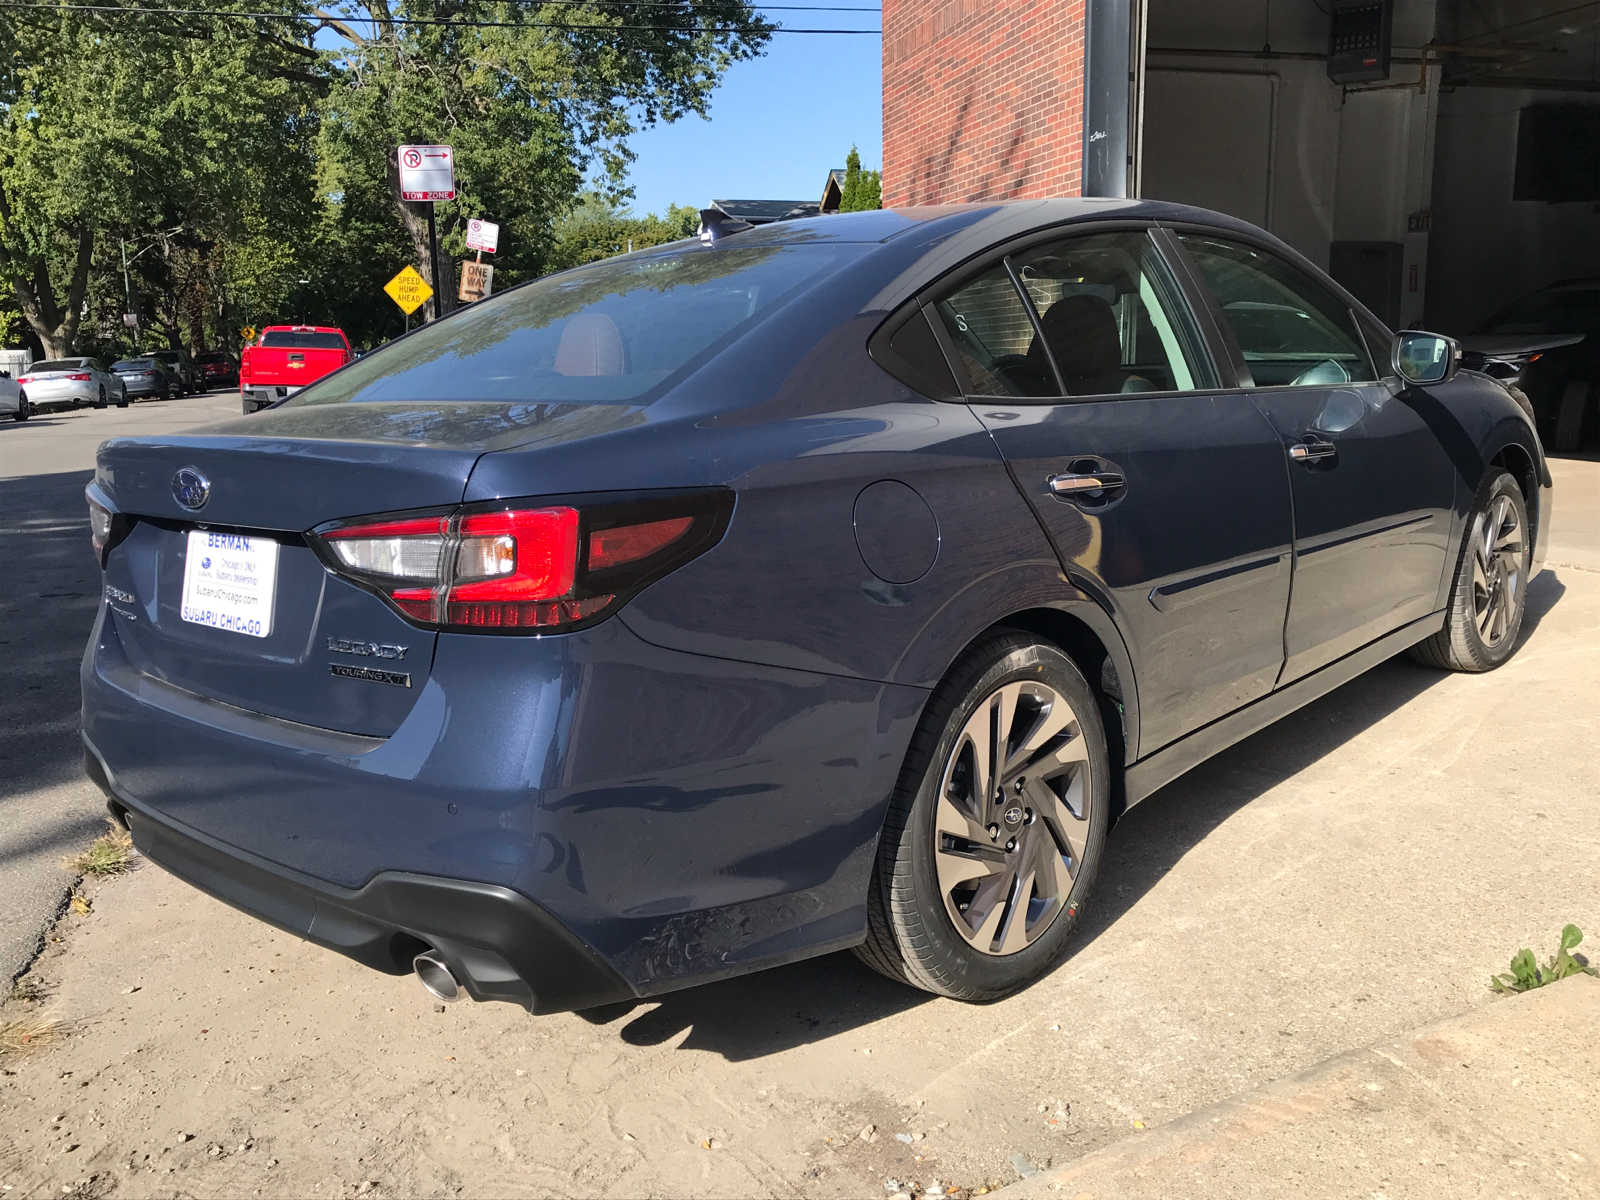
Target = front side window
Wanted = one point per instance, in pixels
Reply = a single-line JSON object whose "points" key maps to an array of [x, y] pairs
{"points": [[1105, 320], [1293, 331], [1111, 316]]}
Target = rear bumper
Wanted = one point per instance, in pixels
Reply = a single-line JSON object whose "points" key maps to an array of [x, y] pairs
{"points": [[500, 944], [259, 397], [568, 820], [44, 394]]}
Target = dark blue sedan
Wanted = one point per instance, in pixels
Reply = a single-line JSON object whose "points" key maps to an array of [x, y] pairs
{"points": [[834, 583]]}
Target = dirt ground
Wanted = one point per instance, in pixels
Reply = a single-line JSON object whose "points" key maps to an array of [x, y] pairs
{"points": [[1357, 870]]}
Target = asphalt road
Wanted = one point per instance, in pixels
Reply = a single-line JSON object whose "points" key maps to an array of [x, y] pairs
{"points": [[47, 808]]}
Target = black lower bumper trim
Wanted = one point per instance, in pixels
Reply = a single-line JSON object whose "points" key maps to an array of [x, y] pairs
{"points": [[500, 944]]}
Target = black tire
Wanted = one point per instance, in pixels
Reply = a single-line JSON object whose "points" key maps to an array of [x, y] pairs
{"points": [[911, 934], [125, 399], [24, 409], [100, 402], [1463, 644], [166, 391], [1570, 410]]}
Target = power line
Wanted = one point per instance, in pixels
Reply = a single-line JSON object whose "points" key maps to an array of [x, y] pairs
{"points": [[126, 10]]}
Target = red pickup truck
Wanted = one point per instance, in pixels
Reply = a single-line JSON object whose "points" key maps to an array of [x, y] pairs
{"points": [[285, 358]]}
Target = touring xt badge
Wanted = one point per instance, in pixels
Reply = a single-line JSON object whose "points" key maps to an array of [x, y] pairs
{"points": [[366, 649]]}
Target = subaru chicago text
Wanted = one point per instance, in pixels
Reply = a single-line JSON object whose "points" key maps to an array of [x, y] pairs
{"points": [[833, 583]]}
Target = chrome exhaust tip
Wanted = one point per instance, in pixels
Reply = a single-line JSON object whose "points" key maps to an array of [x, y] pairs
{"points": [[436, 976]]}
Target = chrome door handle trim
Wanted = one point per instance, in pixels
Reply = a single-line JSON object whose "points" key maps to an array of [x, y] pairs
{"points": [[1312, 451], [1085, 485]]}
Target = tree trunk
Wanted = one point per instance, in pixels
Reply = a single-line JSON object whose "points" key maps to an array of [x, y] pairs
{"points": [[55, 325]]}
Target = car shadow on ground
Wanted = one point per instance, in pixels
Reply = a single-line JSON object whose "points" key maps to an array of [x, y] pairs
{"points": [[51, 597], [772, 1011]]}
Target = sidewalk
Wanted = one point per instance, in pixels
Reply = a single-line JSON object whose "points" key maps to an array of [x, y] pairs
{"points": [[1500, 1101]]}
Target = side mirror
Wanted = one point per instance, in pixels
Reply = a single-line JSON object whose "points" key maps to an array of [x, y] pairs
{"points": [[1425, 357]]}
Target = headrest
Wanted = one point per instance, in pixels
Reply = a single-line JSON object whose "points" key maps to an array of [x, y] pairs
{"points": [[590, 345], [1082, 332]]}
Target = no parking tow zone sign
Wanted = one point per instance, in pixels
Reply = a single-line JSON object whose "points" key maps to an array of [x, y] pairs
{"points": [[427, 173]]}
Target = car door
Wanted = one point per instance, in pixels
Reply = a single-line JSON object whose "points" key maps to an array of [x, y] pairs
{"points": [[1373, 484], [1166, 496]]}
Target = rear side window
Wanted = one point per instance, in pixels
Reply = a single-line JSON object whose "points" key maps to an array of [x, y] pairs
{"points": [[607, 333], [1293, 331], [1101, 317], [994, 338], [300, 340]]}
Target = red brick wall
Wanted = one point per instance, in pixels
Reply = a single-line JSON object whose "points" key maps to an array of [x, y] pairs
{"points": [[982, 100]]}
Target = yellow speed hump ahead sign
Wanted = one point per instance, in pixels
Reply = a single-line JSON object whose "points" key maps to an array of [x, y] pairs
{"points": [[409, 290]]}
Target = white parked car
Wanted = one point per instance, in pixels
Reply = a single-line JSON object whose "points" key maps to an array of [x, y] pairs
{"points": [[13, 399], [70, 383]]}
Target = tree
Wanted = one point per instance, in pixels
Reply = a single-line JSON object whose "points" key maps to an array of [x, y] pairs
{"points": [[599, 226], [861, 190], [115, 124], [531, 106]]}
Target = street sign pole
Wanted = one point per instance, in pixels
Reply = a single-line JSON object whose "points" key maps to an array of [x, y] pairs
{"points": [[433, 264]]}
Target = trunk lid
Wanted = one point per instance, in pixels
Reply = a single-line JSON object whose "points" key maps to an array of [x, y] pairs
{"points": [[333, 655]]}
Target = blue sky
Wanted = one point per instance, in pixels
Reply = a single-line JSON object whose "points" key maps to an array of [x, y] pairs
{"points": [[778, 123]]}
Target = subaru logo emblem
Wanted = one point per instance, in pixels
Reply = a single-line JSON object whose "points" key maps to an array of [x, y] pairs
{"points": [[190, 488], [1013, 815]]}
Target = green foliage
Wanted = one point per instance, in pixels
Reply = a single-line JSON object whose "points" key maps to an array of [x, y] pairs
{"points": [[248, 172], [598, 227], [861, 190], [1526, 973]]}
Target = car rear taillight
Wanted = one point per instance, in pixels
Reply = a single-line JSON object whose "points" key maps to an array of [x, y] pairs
{"points": [[25, 379], [107, 527], [81, 377], [524, 566]]}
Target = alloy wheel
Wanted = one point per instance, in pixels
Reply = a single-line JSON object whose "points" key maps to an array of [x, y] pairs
{"points": [[1012, 818], [1497, 554]]}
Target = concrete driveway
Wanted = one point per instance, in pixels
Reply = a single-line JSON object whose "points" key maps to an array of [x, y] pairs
{"points": [[1355, 871]]}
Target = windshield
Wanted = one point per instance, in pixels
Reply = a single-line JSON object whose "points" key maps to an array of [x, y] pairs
{"points": [[57, 364], [214, 356], [1567, 310], [286, 340], [134, 364], [167, 355], [607, 333]]}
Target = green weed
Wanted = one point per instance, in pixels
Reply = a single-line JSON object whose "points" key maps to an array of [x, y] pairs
{"points": [[109, 854], [1526, 973]]}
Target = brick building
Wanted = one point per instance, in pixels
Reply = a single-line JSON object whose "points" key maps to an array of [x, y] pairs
{"points": [[982, 99]]}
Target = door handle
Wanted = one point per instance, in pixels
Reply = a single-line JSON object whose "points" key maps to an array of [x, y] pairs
{"points": [[1312, 450], [1086, 485]]}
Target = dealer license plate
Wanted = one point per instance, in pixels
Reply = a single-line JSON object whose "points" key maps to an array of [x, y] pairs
{"points": [[229, 582]]}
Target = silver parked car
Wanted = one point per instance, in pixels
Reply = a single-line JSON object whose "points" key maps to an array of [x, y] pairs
{"points": [[148, 378], [13, 399], [71, 383]]}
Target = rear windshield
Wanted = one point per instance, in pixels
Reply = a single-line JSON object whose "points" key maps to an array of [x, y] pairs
{"points": [[606, 333], [167, 355], [58, 364], [303, 341], [213, 356], [133, 364]]}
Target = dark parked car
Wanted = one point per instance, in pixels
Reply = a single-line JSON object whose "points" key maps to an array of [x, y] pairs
{"points": [[147, 378], [1548, 345], [833, 583], [183, 369], [218, 368]]}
